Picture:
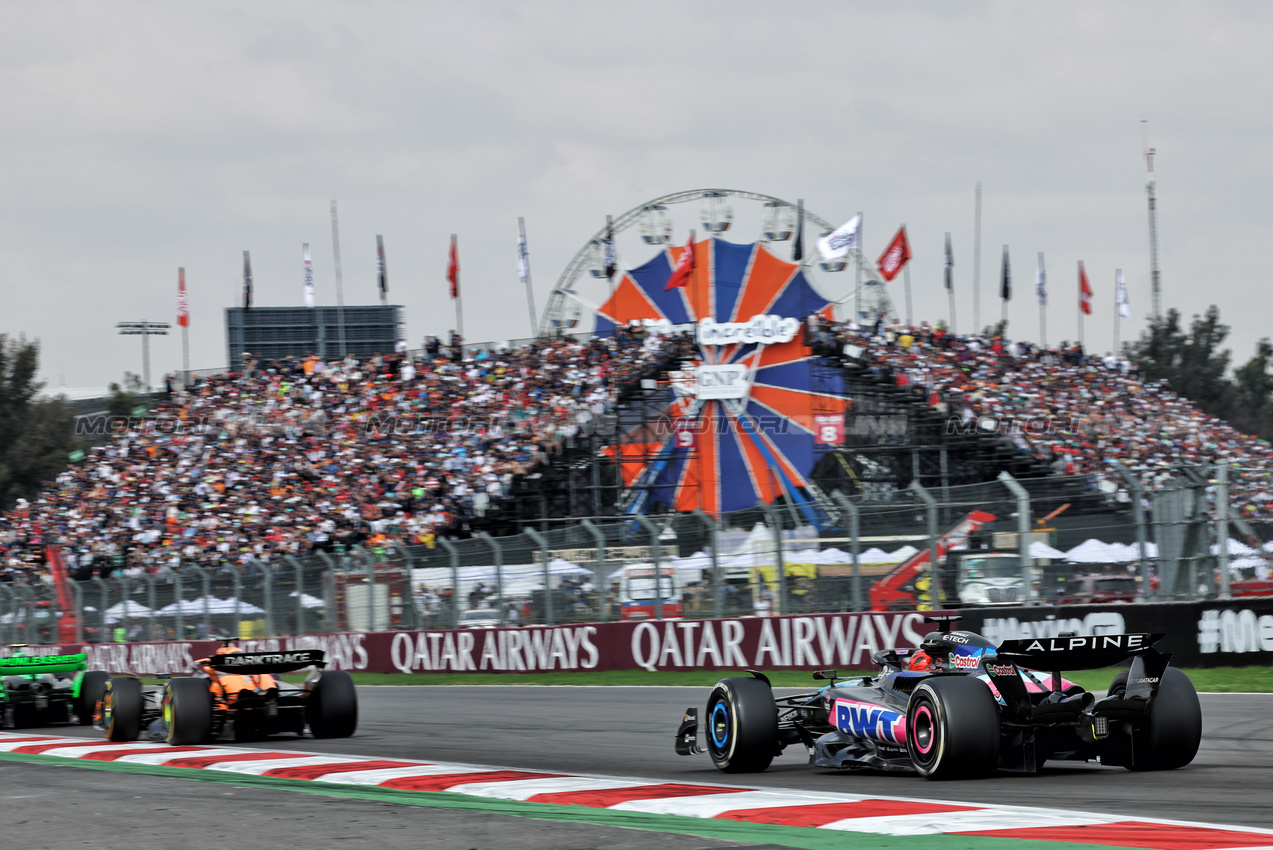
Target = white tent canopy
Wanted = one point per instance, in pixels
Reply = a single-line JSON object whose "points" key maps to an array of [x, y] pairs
{"points": [[308, 601], [1039, 549], [1236, 547], [1093, 551], [123, 610], [238, 606], [184, 607]]}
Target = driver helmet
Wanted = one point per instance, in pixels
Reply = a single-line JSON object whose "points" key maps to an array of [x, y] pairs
{"points": [[920, 661], [226, 650]]}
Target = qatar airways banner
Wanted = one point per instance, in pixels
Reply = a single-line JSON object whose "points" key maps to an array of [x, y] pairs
{"points": [[1234, 632], [843, 641]]}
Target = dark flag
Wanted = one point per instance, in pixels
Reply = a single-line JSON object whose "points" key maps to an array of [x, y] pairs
{"points": [[797, 250], [380, 266], [950, 265], [453, 269], [1005, 279], [247, 281], [609, 250]]}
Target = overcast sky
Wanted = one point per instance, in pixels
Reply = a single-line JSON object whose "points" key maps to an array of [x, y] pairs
{"points": [[140, 137]]}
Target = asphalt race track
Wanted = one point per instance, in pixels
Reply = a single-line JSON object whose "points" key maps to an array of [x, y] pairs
{"points": [[629, 731]]}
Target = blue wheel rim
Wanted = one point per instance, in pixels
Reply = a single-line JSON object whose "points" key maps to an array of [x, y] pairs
{"points": [[723, 724]]}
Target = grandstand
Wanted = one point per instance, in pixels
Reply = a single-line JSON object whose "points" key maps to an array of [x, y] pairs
{"points": [[281, 459]]}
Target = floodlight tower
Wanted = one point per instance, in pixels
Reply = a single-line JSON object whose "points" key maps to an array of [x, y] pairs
{"points": [[1153, 226], [145, 330]]}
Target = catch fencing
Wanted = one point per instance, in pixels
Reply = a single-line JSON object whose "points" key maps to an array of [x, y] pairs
{"points": [[786, 559]]}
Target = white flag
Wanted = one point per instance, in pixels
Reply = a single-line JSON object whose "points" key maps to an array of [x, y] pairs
{"points": [[523, 254], [838, 243], [1120, 295], [1041, 283], [309, 277]]}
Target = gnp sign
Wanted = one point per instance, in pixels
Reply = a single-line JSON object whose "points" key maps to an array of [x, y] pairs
{"points": [[721, 382]]}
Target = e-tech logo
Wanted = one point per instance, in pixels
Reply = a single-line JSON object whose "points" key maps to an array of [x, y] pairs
{"points": [[870, 721]]}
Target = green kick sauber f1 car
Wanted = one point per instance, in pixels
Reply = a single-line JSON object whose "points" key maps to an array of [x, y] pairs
{"points": [[39, 690]]}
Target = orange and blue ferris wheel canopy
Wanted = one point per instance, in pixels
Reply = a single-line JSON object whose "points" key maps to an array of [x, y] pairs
{"points": [[756, 443]]}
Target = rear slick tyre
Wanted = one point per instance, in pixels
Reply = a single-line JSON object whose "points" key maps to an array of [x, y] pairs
{"points": [[121, 709], [1169, 738], [742, 725], [92, 689], [187, 711], [952, 728], [332, 709]]}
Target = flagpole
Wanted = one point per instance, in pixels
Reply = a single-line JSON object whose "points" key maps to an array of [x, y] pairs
{"points": [[1041, 285], [607, 258], [382, 271], [976, 266], [906, 281], [857, 276], [459, 298], [1118, 316], [797, 256], [530, 292], [1005, 288], [1081, 303], [340, 295], [949, 274], [185, 334]]}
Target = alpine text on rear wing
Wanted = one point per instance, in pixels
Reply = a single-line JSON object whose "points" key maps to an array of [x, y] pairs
{"points": [[1076, 652]]}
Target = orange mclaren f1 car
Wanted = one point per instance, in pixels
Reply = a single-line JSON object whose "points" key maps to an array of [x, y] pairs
{"points": [[234, 694]]}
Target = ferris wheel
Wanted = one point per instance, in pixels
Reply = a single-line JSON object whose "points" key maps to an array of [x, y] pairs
{"points": [[583, 284]]}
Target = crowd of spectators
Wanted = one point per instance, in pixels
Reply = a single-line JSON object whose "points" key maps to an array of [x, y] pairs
{"points": [[286, 457], [1077, 411], [290, 456]]}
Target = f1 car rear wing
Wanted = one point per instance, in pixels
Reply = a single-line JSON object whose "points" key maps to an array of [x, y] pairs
{"points": [[253, 663], [1090, 652], [1074, 652], [29, 665]]}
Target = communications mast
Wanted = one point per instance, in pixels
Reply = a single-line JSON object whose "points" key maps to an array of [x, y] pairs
{"points": [[1153, 230]]}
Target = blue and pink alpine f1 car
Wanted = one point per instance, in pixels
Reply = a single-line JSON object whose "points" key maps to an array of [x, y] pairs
{"points": [[959, 706]]}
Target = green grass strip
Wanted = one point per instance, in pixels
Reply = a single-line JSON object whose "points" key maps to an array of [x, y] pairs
{"points": [[726, 830]]}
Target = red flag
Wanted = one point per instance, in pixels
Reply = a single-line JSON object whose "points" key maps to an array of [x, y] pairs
{"points": [[183, 306], [895, 255], [453, 270], [1085, 291], [684, 266]]}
